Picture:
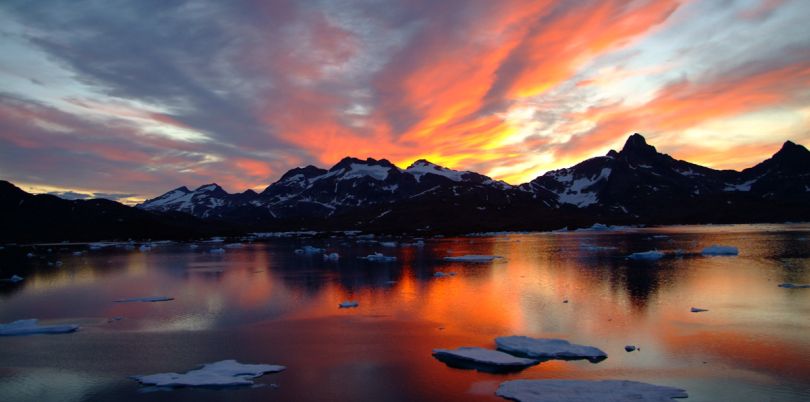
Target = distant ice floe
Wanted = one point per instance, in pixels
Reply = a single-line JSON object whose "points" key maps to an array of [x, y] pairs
{"points": [[13, 279], [441, 274], [145, 247], [348, 304], [308, 250], [482, 359], [225, 373], [600, 227], [234, 245], [378, 257], [473, 258], [331, 257], [720, 250], [219, 250], [586, 391], [793, 286], [144, 299], [30, 327], [697, 310], [548, 348], [388, 243], [652, 255], [630, 348]]}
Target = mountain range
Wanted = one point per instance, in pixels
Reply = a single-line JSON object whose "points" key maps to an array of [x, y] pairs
{"points": [[636, 185]]}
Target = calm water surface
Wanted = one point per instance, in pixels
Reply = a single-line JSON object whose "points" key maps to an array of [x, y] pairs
{"points": [[265, 304]]}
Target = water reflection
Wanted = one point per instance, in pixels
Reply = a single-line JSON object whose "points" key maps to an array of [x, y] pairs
{"points": [[264, 303]]}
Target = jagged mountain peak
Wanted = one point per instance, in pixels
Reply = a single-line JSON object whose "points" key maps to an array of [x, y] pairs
{"points": [[211, 187], [790, 150], [636, 145], [307, 172], [348, 161]]}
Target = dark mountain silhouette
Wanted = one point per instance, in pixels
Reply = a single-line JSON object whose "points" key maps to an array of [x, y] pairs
{"points": [[636, 185]]}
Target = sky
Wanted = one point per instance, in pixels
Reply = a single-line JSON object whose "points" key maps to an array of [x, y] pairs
{"points": [[129, 99]]}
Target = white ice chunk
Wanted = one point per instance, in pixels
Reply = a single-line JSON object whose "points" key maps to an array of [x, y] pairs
{"points": [[652, 255], [482, 359], [720, 250], [348, 304], [697, 310], [220, 374], [379, 257], [586, 391], [217, 250], [473, 258], [331, 257], [30, 326], [793, 286], [144, 299], [13, 279], [548, 348], [308, 250]]}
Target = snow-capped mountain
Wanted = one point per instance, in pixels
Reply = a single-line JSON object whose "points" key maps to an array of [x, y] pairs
{"points": [[634, 185]]}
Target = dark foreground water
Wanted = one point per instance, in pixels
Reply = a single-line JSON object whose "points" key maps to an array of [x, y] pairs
{"points": [[265, 304]]}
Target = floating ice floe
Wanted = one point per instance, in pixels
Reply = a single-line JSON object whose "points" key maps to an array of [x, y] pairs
{"points": [[548, 348], [473, 258], [388, 243], [331, 257], [720, 250], [30, 327], [13, 279], [308, 250], [30, 255], [793, 286], [441, 274], [348, 304], [144, 299], [482, 359], [591, 247], [219, 250], [600, 227], [697, 310], [225, 373], [234, 245], [77, 253], [193, 246], [630, 348], [378, 257], [145, 247], [652, 255], [586, 391]]}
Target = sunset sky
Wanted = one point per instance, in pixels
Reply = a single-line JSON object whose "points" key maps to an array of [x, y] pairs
{"points": [[128, 100]]}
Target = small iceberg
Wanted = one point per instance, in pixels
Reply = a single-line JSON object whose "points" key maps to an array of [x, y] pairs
{"points": [[652, 255], [308, 250], [441, 274], [548, 348], [481, 359], [720, 250], [473, 258], [697, 310], [331, 257], [13, 279], [378, 257], [781, 285], [30, 327], [226, 373], [348, 304], [144, 299], [629, 348], [586, 391], [219, 250]]}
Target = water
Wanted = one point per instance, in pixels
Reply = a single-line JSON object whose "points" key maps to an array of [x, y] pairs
{"points": [[265, 304]]}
